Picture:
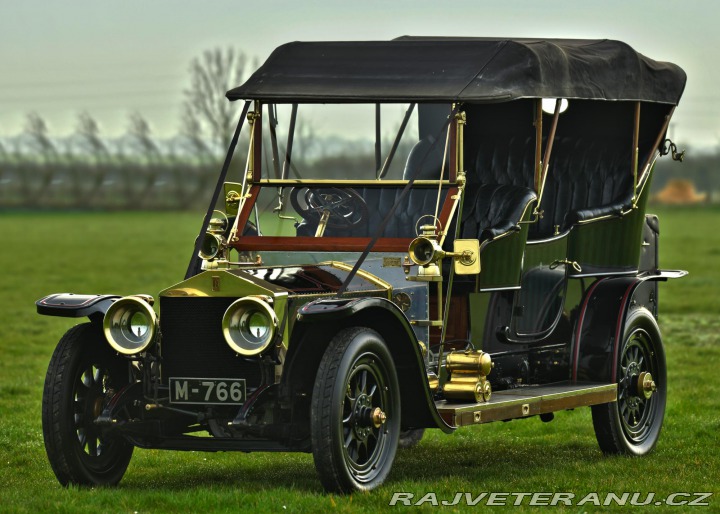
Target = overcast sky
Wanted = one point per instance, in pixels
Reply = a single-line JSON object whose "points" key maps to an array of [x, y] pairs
{"points": [[112, 58]]}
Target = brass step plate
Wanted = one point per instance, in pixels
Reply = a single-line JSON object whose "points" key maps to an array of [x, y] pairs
{"points": [[527, 401]]}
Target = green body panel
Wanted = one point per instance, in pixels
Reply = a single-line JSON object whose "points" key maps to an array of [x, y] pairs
{"points": [[610, 244], [501, 259], [479, 305], [545, 252]]}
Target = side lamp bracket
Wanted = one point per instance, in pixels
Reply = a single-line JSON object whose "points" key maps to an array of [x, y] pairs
{"points": [[426, 252]]}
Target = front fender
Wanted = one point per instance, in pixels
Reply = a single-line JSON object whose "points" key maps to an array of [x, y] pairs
{"points": [[317, 323], [70, 305]]}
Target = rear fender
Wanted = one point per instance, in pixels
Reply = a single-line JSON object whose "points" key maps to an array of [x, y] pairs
{"points": [[320, 320], [601, 323], [70, 305]]}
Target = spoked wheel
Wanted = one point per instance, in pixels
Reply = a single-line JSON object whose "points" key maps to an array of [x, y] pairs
{"points": [[82, 376], [632, 424], [355, 413]]}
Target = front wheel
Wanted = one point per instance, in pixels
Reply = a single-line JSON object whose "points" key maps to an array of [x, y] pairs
{"points": [[632, 424], [83, 375], [355, 412]]}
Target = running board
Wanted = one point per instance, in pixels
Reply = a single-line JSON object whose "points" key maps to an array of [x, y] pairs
{"points": [[527, 401]]}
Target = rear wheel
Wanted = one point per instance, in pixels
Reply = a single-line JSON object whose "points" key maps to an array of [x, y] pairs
{"points": [[632, 424], [355, 412], [83, 375]]}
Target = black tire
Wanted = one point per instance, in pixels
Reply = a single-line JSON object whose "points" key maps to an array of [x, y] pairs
{"points": [[632, 424], [82, 370], [356, 376], [410, 438]]}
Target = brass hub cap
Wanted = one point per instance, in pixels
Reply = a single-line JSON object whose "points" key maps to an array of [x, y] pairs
{"points": [[378, 417], [636, 402], [645, 384], [366, 416]]}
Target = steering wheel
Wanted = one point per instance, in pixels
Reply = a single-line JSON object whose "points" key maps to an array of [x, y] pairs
{"points": [[346, 207]]}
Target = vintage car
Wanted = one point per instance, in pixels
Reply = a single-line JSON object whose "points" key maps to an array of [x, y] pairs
{"points": [[480, 253]]}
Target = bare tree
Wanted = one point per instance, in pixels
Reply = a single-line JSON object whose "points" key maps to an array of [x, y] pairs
{"points": [[36, 132], [139, 136], [89, 174], [87, 132], [211, 75], [191, 137]]}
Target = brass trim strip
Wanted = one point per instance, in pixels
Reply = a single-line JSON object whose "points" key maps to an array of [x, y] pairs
{"points": [[373, 279], [373, 182], [528, 401]]}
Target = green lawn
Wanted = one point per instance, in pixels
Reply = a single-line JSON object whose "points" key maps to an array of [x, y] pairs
{"points": [[127, 253]]}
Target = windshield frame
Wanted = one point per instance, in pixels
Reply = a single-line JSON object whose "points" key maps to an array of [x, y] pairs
{"points": [[253, 181], [254, 168], [244, 243]]}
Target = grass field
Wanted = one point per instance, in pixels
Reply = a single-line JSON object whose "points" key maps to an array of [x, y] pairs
{"points": [[135, 252]]}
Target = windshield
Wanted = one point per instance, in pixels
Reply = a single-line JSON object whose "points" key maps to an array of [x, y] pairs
{"points": [[348, 141], [333, 177]]}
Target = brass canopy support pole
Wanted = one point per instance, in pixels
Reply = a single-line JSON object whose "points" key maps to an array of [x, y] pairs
{"points": [[378, 142], [538, 144], [253, 118], [254, 162], [636, 152], [548, 153], [448, 299], [460, 122]]}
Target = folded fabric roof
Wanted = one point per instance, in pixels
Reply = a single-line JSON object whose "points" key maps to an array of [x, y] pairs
{"points": [[427, 69]]}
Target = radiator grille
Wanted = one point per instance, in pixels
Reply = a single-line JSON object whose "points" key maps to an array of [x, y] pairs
{"points": [[193, 343]]}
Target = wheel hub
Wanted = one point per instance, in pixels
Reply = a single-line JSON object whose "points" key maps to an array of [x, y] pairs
{"points": [[645, 384], [378, 417], [365, 416]]}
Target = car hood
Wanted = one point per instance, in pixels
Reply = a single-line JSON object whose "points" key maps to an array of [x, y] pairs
{"points": [[316, 279]]}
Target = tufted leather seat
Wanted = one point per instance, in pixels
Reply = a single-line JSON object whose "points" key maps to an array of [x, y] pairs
{"points": [[495, 210], [586, 179], [429, 158]]}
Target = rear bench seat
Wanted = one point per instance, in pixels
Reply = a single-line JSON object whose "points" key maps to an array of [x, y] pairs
{"points": [[586, 179]]}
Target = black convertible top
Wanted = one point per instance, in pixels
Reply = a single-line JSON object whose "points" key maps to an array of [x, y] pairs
{"points": [[426, 69]]}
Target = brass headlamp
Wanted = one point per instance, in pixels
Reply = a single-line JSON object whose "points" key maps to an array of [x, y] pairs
{"points": [[130, 324], [249, 326]]}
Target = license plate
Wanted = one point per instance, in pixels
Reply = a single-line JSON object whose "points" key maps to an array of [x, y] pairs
{"points": [[208, 391]]}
